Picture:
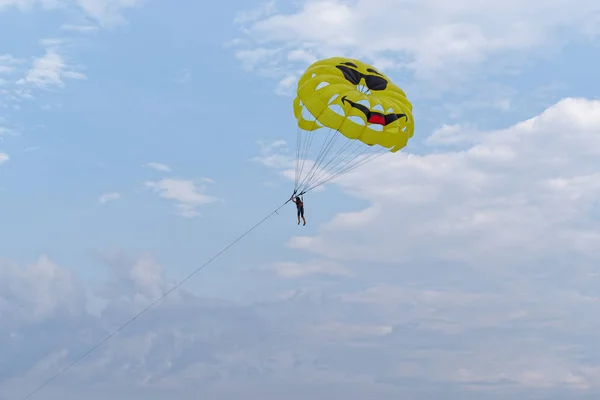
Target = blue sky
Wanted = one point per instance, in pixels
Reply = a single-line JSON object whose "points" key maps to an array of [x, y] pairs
{"points": [[136, 141]]}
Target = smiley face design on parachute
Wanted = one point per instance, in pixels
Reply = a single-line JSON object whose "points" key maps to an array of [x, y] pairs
{"points": [[356, 100], [375, 81]]}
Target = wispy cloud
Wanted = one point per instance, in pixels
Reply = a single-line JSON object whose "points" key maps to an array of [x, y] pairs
{"points": [[440, 42], [108, 13], [4, 158], [276, 154], [293, 269], [111, 196], [158, 167], [8, 64], [267, 8], [50, 70], [79, 28], [8, 131], [186, 193]]}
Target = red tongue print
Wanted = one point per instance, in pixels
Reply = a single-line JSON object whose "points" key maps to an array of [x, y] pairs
{"points": [[377, 119]]}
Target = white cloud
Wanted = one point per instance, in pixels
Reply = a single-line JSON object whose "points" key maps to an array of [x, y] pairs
{"points": [[266, 9], [106, 197], [3, 158], [39, 291], [141, 279], [453, 135], [8, 64], [292, 269], [8, 131], [286, 86], [275, 155], [107, 12], [48, 107], [185, 192], [187, 210], [355, 220], [301, 55], [50, 70], [395, 341], [257, 59], [436, 40], [79, 28], [159, 167], [27, 5], [518, 195]]}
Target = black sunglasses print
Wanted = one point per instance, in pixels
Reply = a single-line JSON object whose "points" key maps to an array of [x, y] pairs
{"points": [[373, 82]]}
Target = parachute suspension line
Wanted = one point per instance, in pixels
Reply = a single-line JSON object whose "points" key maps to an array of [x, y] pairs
{"points": [[297, 158], [303, 148], [349, 166], [340, 151], [346, 170], [332, 160], [329, 141], [341, 162], [323, 172], [356, 153], [155, 302], [339, 171], [310, 138], [330, 138], [300, 145], [318, 170]]}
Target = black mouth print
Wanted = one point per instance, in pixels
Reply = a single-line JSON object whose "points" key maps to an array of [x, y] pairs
{"points": [[374, 82], [374, 117]]}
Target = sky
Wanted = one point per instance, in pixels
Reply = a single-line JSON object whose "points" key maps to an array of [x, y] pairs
{"points": [[140, 137]]}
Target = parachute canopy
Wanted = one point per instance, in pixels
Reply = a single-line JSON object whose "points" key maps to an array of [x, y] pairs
{"points": [[348, 114]]}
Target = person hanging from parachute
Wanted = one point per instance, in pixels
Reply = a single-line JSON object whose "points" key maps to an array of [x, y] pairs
{"points": [[348, 113], [298, 200]]}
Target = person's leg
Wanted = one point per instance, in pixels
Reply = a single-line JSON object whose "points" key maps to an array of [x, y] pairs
{"points": [[302, 213], [299, 212]]}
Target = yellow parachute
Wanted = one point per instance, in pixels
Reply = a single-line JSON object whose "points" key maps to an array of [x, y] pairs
{"points": [[354, 111]]}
